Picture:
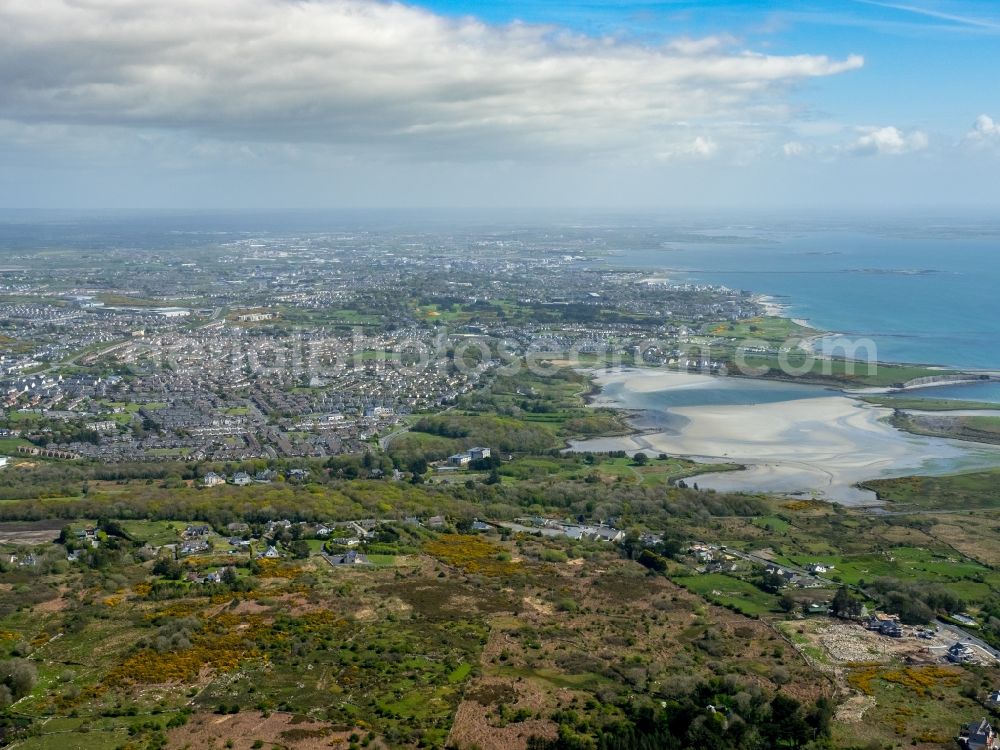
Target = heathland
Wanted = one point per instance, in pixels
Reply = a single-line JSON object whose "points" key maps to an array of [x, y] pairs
{"points": [[543, 600]]}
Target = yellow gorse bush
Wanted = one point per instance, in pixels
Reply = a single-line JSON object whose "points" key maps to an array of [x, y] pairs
{"points": [[920, 680], [472, 554]]}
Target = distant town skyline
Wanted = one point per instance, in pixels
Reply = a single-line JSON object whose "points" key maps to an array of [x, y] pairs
{"points": [[243, 104]]}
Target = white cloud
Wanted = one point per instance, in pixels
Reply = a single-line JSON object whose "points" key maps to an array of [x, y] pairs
{"points": [[985, 133], [795, 149], [888, 140], [361, 73], [702, 146], [689, 149], [688, 46]]}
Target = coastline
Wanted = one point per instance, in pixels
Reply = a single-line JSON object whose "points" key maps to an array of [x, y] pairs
{"points": [[774, 308], [948, 375], [819, 446]]}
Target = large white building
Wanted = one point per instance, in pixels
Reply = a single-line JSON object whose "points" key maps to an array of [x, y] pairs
{"points": [[172, 312]]}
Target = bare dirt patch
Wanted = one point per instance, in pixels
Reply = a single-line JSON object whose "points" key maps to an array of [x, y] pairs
{"points": [[539, 606], [249, 607], [847, 642], [244, 729], [853, 710], [52, 605], [39, 532]]}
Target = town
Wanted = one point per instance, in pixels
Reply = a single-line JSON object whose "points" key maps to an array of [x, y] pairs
{"points": [[313, 346]]}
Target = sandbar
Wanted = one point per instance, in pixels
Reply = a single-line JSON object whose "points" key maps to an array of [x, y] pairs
{"points": [[819, 447]]}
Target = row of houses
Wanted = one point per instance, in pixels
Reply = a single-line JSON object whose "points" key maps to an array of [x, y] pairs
{"points": [[792, 578], [243, 479], [576, 531]]}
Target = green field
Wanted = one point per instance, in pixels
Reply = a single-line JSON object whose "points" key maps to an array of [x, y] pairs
{"points": [[772, 329], [9, 446], [837, 371], [952, 492], [155, 533], [929, 404], [657, 472], [728, 591], [772, 523], [909, 564]]}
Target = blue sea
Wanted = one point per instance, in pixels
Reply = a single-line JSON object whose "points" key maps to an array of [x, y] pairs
{"points": [[925, 294]]}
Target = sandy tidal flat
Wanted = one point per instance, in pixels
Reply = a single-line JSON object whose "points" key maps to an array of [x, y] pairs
{"points": [[817, 446]]}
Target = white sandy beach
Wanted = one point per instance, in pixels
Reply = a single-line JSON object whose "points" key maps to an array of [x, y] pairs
{"points": [[816, 446], [771, 306]]}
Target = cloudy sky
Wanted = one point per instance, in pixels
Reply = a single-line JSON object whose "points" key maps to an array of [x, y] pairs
{"points": [[343, 103]]}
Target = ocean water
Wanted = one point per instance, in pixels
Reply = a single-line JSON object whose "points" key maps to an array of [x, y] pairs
{"points": [[926, 296], [985, 392]]}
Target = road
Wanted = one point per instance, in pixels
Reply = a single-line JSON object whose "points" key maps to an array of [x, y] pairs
{"points": [[383, 442]]}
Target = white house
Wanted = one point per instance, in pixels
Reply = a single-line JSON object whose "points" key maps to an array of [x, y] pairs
{"points": [[211, 479]]}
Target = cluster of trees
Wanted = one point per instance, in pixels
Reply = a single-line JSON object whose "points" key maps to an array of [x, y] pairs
{"points": [[715, 715], [17, 678], [42, 430], [501, 434], [990, 620], [171, 572], [116, 545], [292, 539], [654, 557], [63, 478], [176, 634], [915, 603], [361, 466], [770, 583], [449, 427], [844, 605], [65, 432]]}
